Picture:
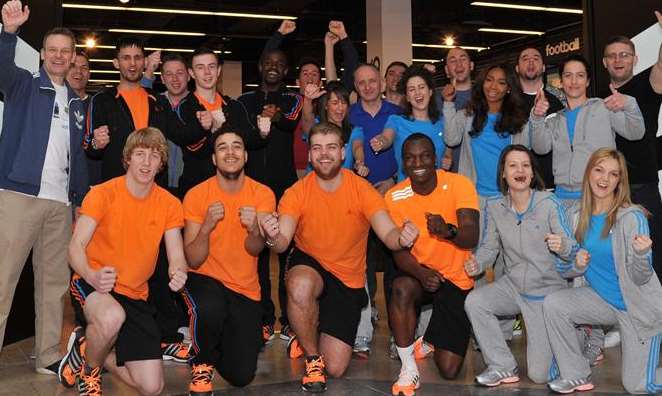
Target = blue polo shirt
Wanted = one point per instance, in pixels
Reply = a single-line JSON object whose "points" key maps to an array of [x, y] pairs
{"points": [[382, 165]]}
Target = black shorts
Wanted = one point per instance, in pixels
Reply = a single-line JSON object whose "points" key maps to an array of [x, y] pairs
{"points": [[339, 306], [139, 337], [449, 328]]}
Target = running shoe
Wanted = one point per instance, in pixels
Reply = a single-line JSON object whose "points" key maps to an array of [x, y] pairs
{"points": [[201, 377], [361, 347], [71, 363], [268, 333], [294, 350], [286, 333], [314, 380], [570, 386], [407, 384], [491, 377], [422, 349], [175, 351], [89, 381]]}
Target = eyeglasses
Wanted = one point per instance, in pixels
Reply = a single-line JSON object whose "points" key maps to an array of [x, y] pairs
{"points": [[619, 55]]}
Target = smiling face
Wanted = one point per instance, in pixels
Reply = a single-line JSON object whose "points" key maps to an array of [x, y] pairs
{"points": [[273, 68], [58, 55], [130, 62], [418, 161], [309, 74], [529, 65], [326, 154], [418, 93], [458, 65], [495, 86], [205, 71], [336, 109], [619, 59], [230, 155], [604, 178], [79, 74], [368, 84], [517, 171], [175, 77], [144, 164], [574, 80]]}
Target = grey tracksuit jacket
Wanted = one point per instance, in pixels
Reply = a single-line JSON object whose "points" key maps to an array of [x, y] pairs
{"points": [[595, 128]]}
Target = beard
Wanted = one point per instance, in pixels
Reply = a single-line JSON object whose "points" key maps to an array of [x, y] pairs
{"points": [[328, 174], [230, 175]]}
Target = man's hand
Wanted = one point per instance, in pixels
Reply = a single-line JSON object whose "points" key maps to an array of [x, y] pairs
{"points": [[287, 27], [177, 280], [152, 63], [269, 111], [642, 244], [437, 225], [430, 279], [448, 93], [270, 226], [14, 15], [330, 39], [248, 218], [616, 101], [338, 28], [205, 119], [554, 243], [215, 213], [264, 125], [218, 119], [103, 280], [101, 137], [582, 259], [408, 234], [378, 142], [541, 104], [471, 266], [313, 91], [361, 169], [430, 67]]}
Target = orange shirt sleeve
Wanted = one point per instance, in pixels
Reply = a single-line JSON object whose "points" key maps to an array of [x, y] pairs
{"points": [[466, 196], [371, 201], [393, 211], [193, 205], [266, 201], [291, 203], [95, 204], [175, 213]]}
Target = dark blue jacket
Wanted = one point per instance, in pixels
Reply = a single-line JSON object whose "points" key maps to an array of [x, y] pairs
{"points": [[26, 127]]}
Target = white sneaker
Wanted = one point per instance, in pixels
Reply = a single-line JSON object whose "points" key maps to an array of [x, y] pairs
{"points": [[407, 384], [612, 338], [186, 333]]}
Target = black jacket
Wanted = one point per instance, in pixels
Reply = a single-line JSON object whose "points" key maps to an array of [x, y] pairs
{"points": [[271, 159], [108, 107]]}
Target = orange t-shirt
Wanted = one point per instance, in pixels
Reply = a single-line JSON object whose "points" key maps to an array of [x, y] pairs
{"points": [[228, 261], [137, 101], [453, 192], [217, 104], [333, 226], [129, 231]]}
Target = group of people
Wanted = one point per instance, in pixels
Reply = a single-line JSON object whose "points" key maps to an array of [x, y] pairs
{"points": [[193, 191]]}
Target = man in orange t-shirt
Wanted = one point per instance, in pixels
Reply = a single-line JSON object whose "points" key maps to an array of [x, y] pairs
{"points": [[329, 213], [445, 206], [222, 241], [113, 252]]}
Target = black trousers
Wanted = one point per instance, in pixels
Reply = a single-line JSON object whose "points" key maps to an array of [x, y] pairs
{"points": [[648, 196], [164, 300], [264, 273]]}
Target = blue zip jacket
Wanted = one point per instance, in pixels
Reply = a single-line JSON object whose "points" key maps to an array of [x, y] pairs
{"points": [[29, 101]]}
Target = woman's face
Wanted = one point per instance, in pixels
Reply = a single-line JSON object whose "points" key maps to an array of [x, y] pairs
{"points": [[574, 80], [604, 178], [517, 171], [418, 93], [336, 109], [495, 86]]}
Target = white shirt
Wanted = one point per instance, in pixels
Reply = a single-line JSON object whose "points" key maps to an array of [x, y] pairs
{"points": [[55, 174]]}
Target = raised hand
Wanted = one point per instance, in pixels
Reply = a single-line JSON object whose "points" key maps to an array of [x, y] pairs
{"points": [[153, 62], [471, 266], [248, 217], [101, 137], [430, 67], [215, 213], [408, 234], [448, 93], [177, 280], [615, 101], [14, 15], [642, 244], [541, 104], [554, 242], [330, 39], [338, 28], [312, 91], [270, 226], [205, 119], [103, 280], [287, 27], [582, 259]]}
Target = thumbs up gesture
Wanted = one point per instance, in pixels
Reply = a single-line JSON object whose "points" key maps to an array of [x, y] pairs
{"points": [[541, 104], [449, 91], [615, 101]]}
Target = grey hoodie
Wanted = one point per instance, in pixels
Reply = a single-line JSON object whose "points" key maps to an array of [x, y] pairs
{"points": [[457, 125], [530, 265], [640, 286], [595, 128]]}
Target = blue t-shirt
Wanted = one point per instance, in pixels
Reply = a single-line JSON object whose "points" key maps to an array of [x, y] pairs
{"points": [[486, 149], [601, 273], [571, 121], [357, 133], [382, 165], [404, 127]]}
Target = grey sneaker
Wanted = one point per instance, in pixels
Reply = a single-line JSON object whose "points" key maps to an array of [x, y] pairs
{"points": [[569, 386], [492, 377], [393, 349], [593, 354], [361, 347]]}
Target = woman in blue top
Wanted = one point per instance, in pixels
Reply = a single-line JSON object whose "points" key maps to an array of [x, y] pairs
{"points": [[622, 288], [492, 120], [420, 116]]}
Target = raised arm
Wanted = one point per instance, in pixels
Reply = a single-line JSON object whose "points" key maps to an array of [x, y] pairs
{"points": [[13, 16]]}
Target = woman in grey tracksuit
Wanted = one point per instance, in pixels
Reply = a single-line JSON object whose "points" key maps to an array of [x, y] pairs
{"points": [[528, 226], [586, 125], [622, 288]]}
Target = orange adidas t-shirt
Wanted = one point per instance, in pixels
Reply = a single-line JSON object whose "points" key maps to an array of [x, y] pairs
{"points": [[453, 192], [217, 104], [129, 231], [137, 101], [228, 261], [333, 226]]}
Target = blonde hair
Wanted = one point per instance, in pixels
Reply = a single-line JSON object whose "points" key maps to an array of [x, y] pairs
{"points": [[149, 137], [621, 193]]}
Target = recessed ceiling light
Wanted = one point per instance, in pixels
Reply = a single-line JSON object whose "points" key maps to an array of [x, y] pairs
{"points": [[90, 42], [449, 40]]}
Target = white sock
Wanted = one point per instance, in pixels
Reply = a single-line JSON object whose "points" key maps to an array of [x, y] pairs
{"points": [[407, 358]]}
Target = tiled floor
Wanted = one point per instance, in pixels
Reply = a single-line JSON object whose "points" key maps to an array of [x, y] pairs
{"points": [[278, 375]]}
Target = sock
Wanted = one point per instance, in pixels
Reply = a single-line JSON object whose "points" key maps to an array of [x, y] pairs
{"points": [[407, 358]]}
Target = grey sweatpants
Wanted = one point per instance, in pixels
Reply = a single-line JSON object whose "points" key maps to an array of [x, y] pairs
{"points": [[500, 298], [640, 359]]}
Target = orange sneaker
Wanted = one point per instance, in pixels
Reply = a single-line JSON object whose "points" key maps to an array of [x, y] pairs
{"points": [[422, 349], [72, 361], [407, 384], [201, 376], [175, 351], [268, 333], [294, 350], [314, 380], [89, 381]]}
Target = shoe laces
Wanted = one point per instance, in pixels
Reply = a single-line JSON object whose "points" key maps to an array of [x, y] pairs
{"points": [[408, 377], [92, 381], [315, 367], [202, 374]]}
